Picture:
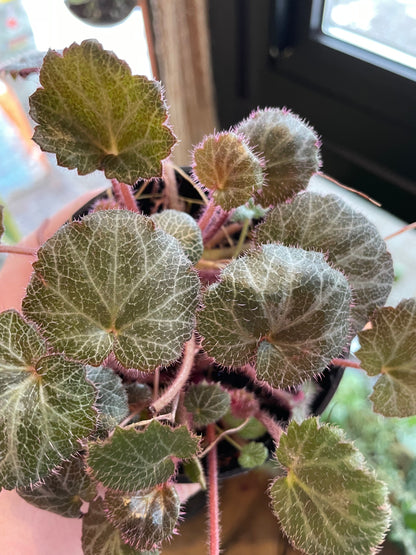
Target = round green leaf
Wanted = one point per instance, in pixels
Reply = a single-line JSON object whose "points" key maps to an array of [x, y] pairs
{"points": [[328, 502], [225, 164], [94, 114], [253, 454], [207, 403], [62, 491], [185, 229], [130, 461], [111, 403], [289, 147], [112, 282], [389, 349], [353, 245], [100, 537], [45, 405], [146, 518], [284, 308]]}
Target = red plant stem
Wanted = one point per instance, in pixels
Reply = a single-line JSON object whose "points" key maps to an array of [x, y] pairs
{"points": [[271, 425], [346, 363], [124, 195], [208, 213], [217, 221], [213, 499], [14, 249], [402, 230], [335, 182], [221, 233], [180, 380]]}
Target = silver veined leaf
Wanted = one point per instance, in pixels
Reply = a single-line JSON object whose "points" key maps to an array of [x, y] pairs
{"points": [[112, 403], [389, 348], [112, 282], [207, 402], [327, 500]]}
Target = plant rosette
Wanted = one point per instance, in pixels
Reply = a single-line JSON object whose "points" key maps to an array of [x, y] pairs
{"points": [[146, 342]]}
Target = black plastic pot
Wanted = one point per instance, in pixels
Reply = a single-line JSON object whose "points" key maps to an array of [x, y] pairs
{"points": [[101, 12]]}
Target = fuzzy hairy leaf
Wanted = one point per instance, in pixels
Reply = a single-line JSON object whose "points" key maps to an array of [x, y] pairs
{"points": [[225, 164], [112, 282], [93, 114], [289, 147], [130, 461], [353, 245], [62, 492], [111, 403], [207, 402], [45, 405], [253, 454], [146, 518], [329, 502], [185, 229], [285, 308], [100, 537], [389, 349]]}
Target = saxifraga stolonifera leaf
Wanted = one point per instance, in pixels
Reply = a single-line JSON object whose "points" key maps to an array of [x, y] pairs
{"points": [[388, 348], [63, 491], [225, 164], [146, 518], [46, 405], [112, 282], [94, 114], [290, 150], [185, 229], [353, 245], [328, 501], [284, 309], [100, 537], [130, 460], [206, 402]]}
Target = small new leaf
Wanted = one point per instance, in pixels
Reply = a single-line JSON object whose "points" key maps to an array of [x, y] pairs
{"points": [[225, 164], [285, 308], [253, 454], [111, 403], [329, 502], [207, 403], [185, 229], [130, 461], [100, 537], [112, 282], [389, 349], [146, 518], [93, 114], [290, 149], [46, 405], [352, 244], [62, 492]]}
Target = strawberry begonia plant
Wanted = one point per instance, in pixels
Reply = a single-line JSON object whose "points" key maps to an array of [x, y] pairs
{"points": [[110, 378]]}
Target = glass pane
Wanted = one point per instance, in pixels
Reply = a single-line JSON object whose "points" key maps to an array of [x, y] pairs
{"points": [[385, 27]]}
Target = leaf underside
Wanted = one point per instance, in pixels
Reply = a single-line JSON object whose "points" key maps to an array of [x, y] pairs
{"points": [[289, 148], [94, 114], [100, 537], [389, 349], [353, 245], [62, 492], [185, 229], [112, 282], [130, 461], [284, 308], [146, 518], [329, 503], [225, 164], [45, 405], [206, 402]]}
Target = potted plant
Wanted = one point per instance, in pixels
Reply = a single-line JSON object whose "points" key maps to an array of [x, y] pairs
{"points": [[144, 341]]}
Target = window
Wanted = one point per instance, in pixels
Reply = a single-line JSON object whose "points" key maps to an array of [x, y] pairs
{"points": [[274, 53]]}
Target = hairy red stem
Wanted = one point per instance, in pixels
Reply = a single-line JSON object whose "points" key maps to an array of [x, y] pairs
{"points": [[180, 380], [124, 195], [208, 213], [213, 499], [346, 363], [401, 230], [15, 249]]}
